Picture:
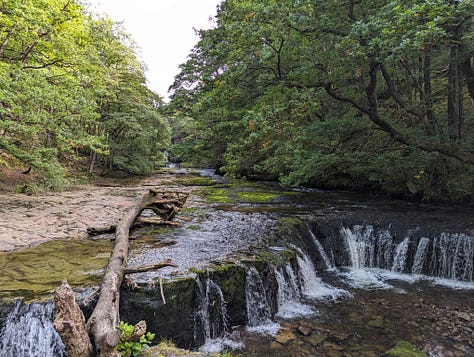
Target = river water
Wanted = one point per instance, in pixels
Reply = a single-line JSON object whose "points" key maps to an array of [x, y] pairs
{"points": [[367, 272]]}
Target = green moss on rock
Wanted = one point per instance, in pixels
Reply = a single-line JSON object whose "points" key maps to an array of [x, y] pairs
{"points": [[404, 349]]}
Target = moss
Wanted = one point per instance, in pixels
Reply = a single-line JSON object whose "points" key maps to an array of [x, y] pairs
{"points": [[216, 195], [196, 181], [257, 197], [167, 348], [404, 349]]}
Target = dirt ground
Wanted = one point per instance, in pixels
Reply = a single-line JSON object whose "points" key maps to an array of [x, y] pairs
{"points": [[27, 220]]}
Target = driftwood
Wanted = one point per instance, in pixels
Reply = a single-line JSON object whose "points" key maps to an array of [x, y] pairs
{"points": [[70, 324], [105, 317], [165, 209]]}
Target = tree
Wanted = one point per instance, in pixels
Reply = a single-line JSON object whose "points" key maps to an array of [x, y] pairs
{"points": [[332, 94], [72, 86]]}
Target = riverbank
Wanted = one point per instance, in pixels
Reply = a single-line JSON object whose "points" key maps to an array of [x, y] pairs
{"points": [[28, 220]]}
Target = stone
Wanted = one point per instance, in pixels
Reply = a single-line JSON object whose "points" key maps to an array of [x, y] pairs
{"points": [[316, 339], [304, 330], [377, 322], [284, 336], [464, 316], [333, 346]]}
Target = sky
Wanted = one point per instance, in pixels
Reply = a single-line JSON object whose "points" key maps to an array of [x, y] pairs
{"points": [[163, 29]]}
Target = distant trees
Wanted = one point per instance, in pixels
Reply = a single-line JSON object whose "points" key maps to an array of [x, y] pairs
{"points": [[354, 94], [71, 86]]}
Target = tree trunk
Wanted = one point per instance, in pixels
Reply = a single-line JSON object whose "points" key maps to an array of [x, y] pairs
{"points": [[455, 92], [105, 317], [70, 324]]}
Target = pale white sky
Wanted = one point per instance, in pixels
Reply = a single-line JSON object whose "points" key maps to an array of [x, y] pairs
{"points": [[163, 29]]}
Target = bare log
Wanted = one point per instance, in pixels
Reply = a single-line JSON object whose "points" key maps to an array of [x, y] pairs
{"points": [[143, 269], [155, 221], [105, 317], [94, 231], [70, 323]]}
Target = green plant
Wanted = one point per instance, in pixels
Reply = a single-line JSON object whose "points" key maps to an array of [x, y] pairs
{"points": [[127, 347]]}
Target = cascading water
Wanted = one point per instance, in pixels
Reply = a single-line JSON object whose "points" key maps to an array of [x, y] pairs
{"points": [[259, 315], [313, 286], [211, 318], [400, 257], [420, 255], [29, 331], [258, 309], [452, 257], [289, 294], [447, 255], [212, 310], [320, 248]]}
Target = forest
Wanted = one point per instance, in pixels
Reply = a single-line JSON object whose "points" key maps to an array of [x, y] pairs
{"points": [[73, 95], [361, 95]]}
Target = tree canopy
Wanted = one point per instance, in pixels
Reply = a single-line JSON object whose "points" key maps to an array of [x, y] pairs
{"points": [[72, 88], [354, 94]]}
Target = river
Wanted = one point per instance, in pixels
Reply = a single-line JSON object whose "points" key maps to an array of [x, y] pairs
{"points": [[266, 271]]}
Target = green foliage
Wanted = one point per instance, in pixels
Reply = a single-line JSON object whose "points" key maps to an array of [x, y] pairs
{"points": [[72, 88], [340, 95], [127, 347]]}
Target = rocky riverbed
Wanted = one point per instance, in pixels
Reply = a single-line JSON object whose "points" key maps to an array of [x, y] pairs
{"points": [[28, 220]]}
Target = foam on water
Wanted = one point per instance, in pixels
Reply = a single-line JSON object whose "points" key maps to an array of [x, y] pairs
{"points": [[270, 328], [368, 279], [313, 286], [290, 304], [217, 345]]}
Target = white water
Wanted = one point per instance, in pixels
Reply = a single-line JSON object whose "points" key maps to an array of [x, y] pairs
{"points": [[313, 286], [258, 309], [400, 257], [289, 296], [320, 248], [451, 255], [29, 331], [420, 256], [217, 345], [212, 312]]}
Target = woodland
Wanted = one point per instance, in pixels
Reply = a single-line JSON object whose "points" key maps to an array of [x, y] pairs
{"points": [[361, 95]]}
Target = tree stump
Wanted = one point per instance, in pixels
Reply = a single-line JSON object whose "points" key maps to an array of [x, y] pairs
{"points": [[70, 323]]}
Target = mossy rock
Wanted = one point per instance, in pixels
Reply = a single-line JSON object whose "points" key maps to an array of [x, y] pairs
{"points": [[404, 349], [196, 181]]}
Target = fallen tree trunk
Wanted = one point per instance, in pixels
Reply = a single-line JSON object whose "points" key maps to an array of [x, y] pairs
{"points": [[105, 317]]}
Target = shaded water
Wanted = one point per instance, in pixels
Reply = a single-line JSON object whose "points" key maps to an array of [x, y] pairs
{"points": [[35, 272]]}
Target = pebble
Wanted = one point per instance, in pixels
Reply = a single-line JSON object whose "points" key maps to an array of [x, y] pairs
{"points": [[284, 336], [464, 316]]}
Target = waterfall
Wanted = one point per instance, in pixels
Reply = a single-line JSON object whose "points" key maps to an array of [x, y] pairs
{"points": [[212, 318], [313, 286], [368, 248], [420, 255], [289, 294], [358, 241], [29, 331], [259, 316], [258, 310], [400, 257], [320, 249], [212, 310], [452, 256], [447, 255]]}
